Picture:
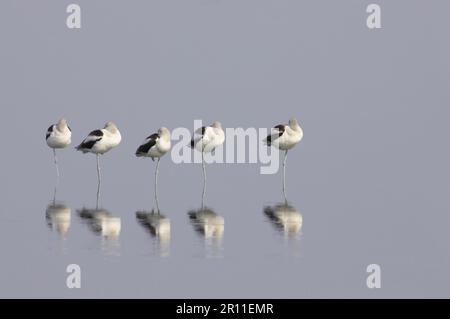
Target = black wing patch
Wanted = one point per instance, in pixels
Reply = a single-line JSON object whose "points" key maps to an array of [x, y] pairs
{"points": [[193, 140], [88, 145], [49, 132], [280, 129], [144, 148], [269, 140], [96, 133]]}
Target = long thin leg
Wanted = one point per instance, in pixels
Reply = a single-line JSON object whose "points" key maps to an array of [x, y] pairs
{"points": [[56, 164], [99, 178], [204, 179], [54, 194], [156, 184], [284, 176]]}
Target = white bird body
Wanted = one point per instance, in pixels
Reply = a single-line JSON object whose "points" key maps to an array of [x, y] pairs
{"points": [[101, 141], [59, 135], [285, 136], [156, 145], [207, 138]]}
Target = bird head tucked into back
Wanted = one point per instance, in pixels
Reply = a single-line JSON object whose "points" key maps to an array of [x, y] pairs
{"points": [[293, 123], [62, 124], [217, 124], [111, 127], [164, 132]]}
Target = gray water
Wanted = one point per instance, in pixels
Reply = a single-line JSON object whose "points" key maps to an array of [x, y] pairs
{"points": [[370, 179]]}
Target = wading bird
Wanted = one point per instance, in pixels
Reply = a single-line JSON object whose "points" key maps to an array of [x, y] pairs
{"points": [[155, 146], [205, 140], [284, 137], [58, 136], [99, 142]]}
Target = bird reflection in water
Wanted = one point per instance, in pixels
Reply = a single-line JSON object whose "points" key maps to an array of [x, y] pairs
{"points": [[285, 219], [159, 227], [58, 217], [103, 223], [211, 227]]}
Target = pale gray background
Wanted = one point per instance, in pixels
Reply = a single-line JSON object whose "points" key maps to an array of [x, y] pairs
{"points": [[370, 177]]}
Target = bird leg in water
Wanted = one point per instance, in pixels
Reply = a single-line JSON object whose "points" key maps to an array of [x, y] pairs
{"points": [[284, 176], [99, 178], [54, 194], [204, 179], [56, 165], [156, 184]]}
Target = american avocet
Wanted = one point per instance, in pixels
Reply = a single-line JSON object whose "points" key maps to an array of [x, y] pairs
{"points": [[58, 136], [285, 137], [155, 146], [99, 142], [205, 140]]}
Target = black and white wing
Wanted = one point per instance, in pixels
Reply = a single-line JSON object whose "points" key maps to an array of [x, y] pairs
{"points": [[147, 145], [49, 132], [198, 134], [89, 142], [277, 132]]}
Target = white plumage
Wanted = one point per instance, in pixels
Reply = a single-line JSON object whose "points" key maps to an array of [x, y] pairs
{"points": [[207, 138], [285, 136], [59, 135], [101, 141], [156, 145]]}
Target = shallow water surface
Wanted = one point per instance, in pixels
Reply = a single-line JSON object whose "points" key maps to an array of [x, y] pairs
{"points": [[368, 184]]}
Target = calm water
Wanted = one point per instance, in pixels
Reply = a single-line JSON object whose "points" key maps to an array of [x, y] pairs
{"points": [[368, 184]]}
